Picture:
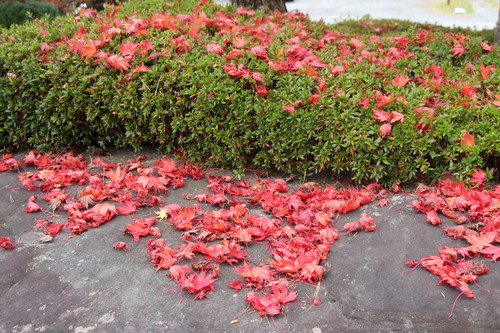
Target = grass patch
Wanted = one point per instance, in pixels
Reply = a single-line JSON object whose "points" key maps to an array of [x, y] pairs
{"points": [[442, 6]]}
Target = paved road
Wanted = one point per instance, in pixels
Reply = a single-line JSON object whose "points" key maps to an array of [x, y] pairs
{"points": [[414, 10]]}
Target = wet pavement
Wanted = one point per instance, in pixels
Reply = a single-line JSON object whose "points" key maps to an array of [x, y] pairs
{"points": [[81, 284]]}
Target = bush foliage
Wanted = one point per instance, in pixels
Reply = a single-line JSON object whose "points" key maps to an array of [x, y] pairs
{"points": [[387, 101], [15, 12]]}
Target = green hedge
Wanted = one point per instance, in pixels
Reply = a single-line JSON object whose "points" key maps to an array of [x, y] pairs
{"points": [[15, 12], [54, 95]]}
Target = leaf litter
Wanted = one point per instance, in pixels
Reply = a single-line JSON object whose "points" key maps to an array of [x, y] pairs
{"points": [[298, 228]]}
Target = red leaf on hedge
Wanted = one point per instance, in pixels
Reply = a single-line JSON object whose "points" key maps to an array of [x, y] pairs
{"points": [[400, 80], [486, 70], [458, 50], [467, 140], [322, 85], [118, 62], [141, 69], [381, 115], [385, 129], [486, 46], [396, 116], [88, 50]]}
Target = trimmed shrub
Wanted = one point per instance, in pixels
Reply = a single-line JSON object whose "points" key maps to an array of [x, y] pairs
{"points": [[238, 88], [15, 12]]}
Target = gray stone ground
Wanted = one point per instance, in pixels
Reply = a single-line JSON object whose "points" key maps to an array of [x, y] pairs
{"points": [[83, 285], [414, 10]]}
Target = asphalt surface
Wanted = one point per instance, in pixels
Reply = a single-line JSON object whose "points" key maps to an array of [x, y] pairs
{"points": [[484, 16], [82, 284]]}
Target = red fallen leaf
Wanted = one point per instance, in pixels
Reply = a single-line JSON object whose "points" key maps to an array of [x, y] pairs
{"points": [[99, 214], [467, 141], [493, 251], [486, 70], [381, 115], [432, 217], [486, 46], [236, 285], [400, 80], [126, 209], [382, 99], [385, 129], [479, 242], [118, 62], [365, 222], [7, 244], [121, 245], [256, 276], [267, 305], [322, 85], [396, 116], [261, 90], [195, 172], [32, 205], [141, 69], [478, 177], [184, 217], [76, 228], [198, 283], [458, 50], [364, 102], [314, 99], [280, 291], [338, 69], [54, 228], [161, 255], [142, 227], [89, 50], [316, 301], [312, 272]]}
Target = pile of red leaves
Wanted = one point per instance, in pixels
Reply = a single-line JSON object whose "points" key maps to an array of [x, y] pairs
{"points": [[299, 234], [476, 206]]}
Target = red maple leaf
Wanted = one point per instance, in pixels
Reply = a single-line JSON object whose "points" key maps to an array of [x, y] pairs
{"points": [[267, 305], [32, 205], [478, 177], [485, 70], [479, 242], [400, 80], [458, 50], [385, 129], [198, 283], [381, 115], [493, 251], [467, 141], [256, 276], [120, 245], [118, 62], [7, 244], [365, 222]]}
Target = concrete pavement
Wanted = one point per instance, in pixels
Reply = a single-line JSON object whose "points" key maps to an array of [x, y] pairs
{"points": [[414, 10]]}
